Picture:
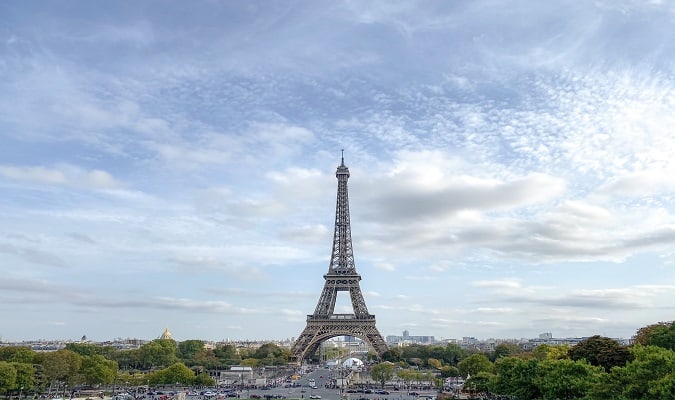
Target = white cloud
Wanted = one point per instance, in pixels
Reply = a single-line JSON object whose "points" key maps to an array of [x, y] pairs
{"points": [[66, 175], [640, 184]]}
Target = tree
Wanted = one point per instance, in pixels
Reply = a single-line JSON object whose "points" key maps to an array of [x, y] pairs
{"points": [[61, 365], [85, 349], [566, 379], [548, 352], [203, 379], [96, 369], [250, 362], [382, 372], [271, 354], [128, 359], [159, 352], [434, 363], [480, 383], [453, 353], [664, 336], [661, 334], [433, 351], [448, 371], [602, 351], [406, 375], [506, 350], [176, 373], [227, 354], [25, 375], [187, 350], [474, 364], [515, 377], [7, 376], [17, 354], [652, 367], [207, 358], [663, 388], [394, 354]]}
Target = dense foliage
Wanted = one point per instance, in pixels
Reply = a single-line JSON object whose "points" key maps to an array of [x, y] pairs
{"points": [[161, 361]]}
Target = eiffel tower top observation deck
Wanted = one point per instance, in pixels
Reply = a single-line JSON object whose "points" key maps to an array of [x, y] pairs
{"points": [[342, 276]]}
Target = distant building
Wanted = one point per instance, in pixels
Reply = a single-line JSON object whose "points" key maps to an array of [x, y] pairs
{"points": [[407, 339], [166, 334]]}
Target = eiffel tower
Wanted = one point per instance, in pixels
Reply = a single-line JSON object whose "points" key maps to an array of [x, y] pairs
{"points": [[341, 277]]}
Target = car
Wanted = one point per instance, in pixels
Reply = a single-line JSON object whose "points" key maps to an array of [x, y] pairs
{"points": [[314, 396]]}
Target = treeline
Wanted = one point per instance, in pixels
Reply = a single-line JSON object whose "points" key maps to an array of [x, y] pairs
{"points": [[597, 368], [161, 361]]}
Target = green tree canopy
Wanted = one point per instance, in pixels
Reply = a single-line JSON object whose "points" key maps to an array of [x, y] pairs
{"points": [[61, 365], [661, 334], [453, 353], [25, 375], [434, 363], [176, 373], [7, 376], [548, 352], [203, 379], [21, 354], [474, 364], [85, 349], [158, 353], [652, 367], [566, 379], [394, 354], [449, 371], [505, 350], [250, 362], [187, 350], [602, 351], [96, 369], [382, 372], [227, 354], [515, 377], [480, 383]]}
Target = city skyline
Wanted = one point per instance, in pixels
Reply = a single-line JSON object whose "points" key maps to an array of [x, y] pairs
{"points": [[172, 165]]}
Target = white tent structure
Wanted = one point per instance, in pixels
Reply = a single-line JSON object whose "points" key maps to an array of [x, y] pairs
{"points": [[352, 363]]}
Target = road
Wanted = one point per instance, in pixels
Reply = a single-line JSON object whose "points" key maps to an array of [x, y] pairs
{"points": [[321, 377]]}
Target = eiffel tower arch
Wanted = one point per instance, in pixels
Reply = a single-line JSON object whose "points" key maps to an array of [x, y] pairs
{"points": [[341, 277]]}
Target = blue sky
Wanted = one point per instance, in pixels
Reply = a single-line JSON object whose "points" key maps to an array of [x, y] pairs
{"points": [[171, 164]]}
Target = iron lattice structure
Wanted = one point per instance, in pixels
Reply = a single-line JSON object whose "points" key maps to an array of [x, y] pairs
{"points": [[341, 277]]}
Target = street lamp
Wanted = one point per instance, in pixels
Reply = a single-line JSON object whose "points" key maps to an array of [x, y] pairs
{"points": [[20, 392]]}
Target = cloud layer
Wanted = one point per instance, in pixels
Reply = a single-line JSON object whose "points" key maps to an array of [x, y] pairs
{"points": [[510, 166]]}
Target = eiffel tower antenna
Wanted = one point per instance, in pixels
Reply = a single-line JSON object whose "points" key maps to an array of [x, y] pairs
{"points": [[341, 277]]}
